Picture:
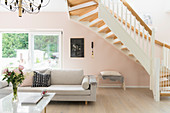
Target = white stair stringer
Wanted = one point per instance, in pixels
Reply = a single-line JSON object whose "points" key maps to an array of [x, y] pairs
{"points": [[103, 35], [124, 36]]}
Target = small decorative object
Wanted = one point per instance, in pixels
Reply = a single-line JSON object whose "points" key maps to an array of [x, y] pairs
{"points": [[23, 6], [15, 77], [77, 47], [147, 19], [92, 46], [44, 93]]}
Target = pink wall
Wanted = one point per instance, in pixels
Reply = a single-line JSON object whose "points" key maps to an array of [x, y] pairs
{"points": [[106, 56]]}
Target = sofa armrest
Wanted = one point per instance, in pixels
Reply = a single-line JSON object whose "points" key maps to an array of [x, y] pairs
{"points": [[92, 80], [93, 87]]}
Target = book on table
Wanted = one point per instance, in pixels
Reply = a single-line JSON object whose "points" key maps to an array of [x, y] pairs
{"points": [[32, 99]]}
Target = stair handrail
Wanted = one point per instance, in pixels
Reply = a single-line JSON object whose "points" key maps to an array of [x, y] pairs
{"points": [[143, 23], [137, 16]]}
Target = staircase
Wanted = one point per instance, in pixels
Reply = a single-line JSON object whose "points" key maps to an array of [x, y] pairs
{"points": [[165, 73], [117, 23]]}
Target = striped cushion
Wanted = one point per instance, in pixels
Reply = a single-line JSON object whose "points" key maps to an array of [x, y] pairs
{"points": [[40, 80]]}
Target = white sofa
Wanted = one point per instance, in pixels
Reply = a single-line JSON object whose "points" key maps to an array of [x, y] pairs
{"points": [[67, 84]]}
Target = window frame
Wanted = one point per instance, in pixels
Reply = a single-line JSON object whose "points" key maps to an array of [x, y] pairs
{"points": [[31, 35]]}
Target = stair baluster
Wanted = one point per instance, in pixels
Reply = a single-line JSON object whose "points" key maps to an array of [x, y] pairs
{"points": [[122, 13], [143, 38], [126, 18], [135, 29]]}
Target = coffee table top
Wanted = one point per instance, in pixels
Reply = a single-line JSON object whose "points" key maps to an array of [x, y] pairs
{"points": [[6, 105]]}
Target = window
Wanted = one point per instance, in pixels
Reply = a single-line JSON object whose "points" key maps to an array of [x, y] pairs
{"points": [[14, 49], [46, 51], [30, 49]]}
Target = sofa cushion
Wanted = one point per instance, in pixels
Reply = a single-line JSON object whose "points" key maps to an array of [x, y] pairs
{"points": [[113, 73], [66, 77], [3, 83], [71, 90]]}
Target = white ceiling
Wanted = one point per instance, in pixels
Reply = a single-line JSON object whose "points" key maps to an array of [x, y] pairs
{"points": [[53, 6]]}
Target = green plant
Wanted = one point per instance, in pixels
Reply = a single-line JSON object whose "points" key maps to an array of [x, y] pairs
{"points": [[15, 77], [13, 41]]}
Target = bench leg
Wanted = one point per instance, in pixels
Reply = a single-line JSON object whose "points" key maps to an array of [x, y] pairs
{"points": [[86, 102]]}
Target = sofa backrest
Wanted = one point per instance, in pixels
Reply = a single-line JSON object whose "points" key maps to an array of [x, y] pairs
{"points": [[66, 77]]}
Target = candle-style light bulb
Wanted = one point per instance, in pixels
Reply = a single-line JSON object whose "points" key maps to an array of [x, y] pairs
{"points": [[23, 10], [39, 7], [30, 5], [32, 9], [17, 1], [10, 7], [6, 2]]}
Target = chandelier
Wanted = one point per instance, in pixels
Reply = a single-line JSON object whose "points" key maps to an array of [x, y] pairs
{"points": [[24, 6]]}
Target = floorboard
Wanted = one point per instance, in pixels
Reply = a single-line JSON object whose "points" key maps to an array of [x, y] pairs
{"points": [[115, 100]]}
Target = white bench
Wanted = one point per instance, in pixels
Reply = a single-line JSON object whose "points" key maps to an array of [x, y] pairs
{"points": [[113, 76]]}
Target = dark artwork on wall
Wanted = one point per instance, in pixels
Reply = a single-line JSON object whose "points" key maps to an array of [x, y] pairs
{"points": [[77, 47]]}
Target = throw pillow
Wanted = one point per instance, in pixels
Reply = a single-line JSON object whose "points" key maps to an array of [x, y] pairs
{"points": [[85, 82], [28, 79], [45, 71], [40, 80]]}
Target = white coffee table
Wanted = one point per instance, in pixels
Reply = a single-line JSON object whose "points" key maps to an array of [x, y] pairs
{"points": [[6, 105]]}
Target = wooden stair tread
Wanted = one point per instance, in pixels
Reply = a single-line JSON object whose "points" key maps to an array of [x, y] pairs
{"points": [[124, 48], [165, 83], [137, 61], [164, 94], [131, 54], [116, 41], [72, 3], [82, 11], [90, 17], [164, 75], [105, 30], [112, 36], [98, 24]]}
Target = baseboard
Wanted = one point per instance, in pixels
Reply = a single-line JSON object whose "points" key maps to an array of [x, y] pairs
{"points": [[121, 86]]}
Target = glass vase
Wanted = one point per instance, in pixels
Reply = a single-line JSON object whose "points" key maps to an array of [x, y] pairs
{"points": [[15, 93]]}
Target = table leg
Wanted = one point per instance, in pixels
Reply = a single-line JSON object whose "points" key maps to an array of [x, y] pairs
{"points": [[124, 86], [45, 110]]}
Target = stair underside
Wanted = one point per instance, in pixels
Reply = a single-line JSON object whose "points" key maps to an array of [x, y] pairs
{"points": [[99, 23], [90, 14]]}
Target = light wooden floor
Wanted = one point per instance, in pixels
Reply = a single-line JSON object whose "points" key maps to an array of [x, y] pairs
{"points": [[112, 100]]}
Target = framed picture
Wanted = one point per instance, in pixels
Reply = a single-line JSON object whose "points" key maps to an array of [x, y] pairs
{"points": [[77, 47]]}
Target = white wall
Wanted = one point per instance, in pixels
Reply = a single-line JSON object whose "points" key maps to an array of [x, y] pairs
{"points": [[160, 17], [53, 6]]}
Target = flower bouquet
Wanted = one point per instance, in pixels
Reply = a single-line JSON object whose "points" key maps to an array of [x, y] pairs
{"points": [[15, 77]]}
